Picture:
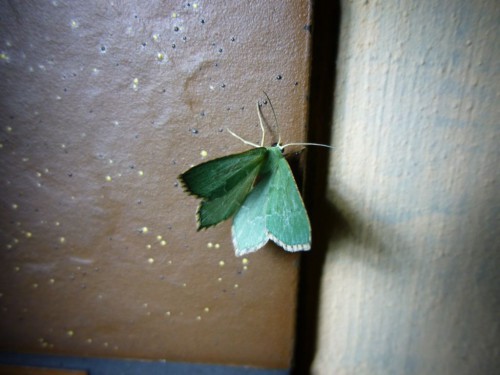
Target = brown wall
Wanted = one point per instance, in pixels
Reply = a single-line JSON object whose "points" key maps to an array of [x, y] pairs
{"points": [[103, 105]]}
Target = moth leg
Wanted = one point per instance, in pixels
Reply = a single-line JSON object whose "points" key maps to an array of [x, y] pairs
{"points": [[243, 140]]}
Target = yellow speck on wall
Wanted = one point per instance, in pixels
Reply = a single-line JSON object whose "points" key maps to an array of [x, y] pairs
{"points": [[135, 84]]}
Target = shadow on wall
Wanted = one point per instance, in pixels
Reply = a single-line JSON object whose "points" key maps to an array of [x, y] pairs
{"points": [[326, 26]]}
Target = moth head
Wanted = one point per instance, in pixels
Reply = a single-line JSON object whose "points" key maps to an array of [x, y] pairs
{"points": [[280, 146]]}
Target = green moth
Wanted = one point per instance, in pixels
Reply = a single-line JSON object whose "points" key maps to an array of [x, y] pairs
{"points": [[258, 188]]}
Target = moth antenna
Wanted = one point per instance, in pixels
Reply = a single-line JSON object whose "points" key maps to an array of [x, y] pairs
{"points": [[261, 125], [308, 144], [275, 118], [243, 140]]}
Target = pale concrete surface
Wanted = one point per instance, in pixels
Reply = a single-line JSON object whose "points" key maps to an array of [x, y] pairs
{"points": [[413, 286]]}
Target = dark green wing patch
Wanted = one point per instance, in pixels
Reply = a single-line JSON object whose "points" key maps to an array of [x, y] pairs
{"points": [[223, 184]]}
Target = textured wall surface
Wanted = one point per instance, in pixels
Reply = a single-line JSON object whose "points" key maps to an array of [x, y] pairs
{"points": [[411, 285], [103, 105]]}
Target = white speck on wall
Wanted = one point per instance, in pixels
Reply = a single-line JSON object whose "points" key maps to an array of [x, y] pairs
{"points": [[140, 173], [151, 260], [203, 154], [4, 57], [210, 245], [160, 56], [62, 240], [70, 333], [74, 24], [163, 242], [144, 230], [222, 263], [155, 37], [81, 261], [108, 178]]}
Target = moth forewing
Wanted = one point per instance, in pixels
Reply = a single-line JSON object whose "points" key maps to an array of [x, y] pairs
{"points": [[222, 184], [288, 224], [272, 211]]}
